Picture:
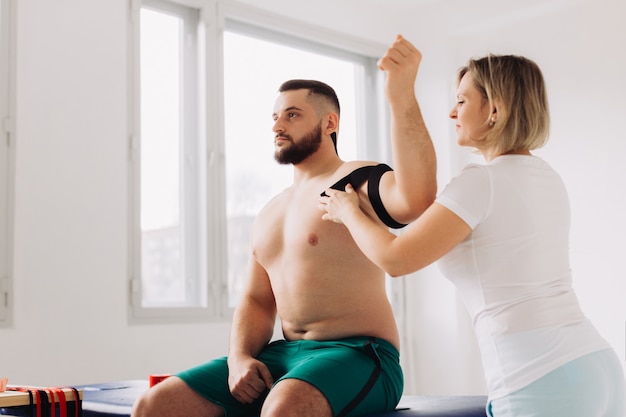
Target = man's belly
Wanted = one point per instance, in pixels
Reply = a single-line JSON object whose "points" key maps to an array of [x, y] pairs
{"points": [[360, 320]]}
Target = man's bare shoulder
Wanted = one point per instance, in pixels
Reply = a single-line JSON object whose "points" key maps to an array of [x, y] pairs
{"points": [[284, 197], [350, 166]]}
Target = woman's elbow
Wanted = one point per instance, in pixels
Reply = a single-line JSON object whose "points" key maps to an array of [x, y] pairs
{"points": [[396, 268], [395, 274]]}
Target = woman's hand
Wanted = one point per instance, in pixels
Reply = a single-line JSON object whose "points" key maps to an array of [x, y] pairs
{"points": [[338, 205]]}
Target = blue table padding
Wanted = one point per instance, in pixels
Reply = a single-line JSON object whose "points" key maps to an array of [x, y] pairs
{"points": [[115, 399], [111, 399], [439, 406]]}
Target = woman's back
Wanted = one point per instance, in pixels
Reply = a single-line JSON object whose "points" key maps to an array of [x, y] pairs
{"points": [[513, 271]]}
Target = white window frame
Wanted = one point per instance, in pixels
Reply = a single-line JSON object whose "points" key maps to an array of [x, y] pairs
{"points": [[215, 17], [203, 266], [7, 155]]}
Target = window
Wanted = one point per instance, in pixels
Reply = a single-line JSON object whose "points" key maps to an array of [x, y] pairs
{"points": [[201, 146], [7, 134], [168, 167]]}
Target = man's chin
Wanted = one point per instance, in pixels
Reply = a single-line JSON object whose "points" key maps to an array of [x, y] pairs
{"points": [[278, 158]]}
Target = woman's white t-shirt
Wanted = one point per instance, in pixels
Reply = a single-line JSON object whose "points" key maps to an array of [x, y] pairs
{"points": [[513, 270]]}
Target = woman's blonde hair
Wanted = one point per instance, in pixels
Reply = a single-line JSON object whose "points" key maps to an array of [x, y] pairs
{"points": [[514, 87]]}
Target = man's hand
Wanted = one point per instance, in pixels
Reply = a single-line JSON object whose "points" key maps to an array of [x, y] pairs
{"points": [[401, 62], [248, 379]]}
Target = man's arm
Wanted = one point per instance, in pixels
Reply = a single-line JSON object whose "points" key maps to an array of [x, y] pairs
{"points": [[252, 328], [412, 187]]}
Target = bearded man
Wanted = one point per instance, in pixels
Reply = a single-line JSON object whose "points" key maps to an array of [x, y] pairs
{"points": [[340, 351]]}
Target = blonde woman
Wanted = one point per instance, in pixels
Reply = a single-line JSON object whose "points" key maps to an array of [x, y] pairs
{"points": [[501, 230]]}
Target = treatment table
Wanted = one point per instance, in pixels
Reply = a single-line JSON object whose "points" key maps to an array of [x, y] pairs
{"points": [[115, 399]]}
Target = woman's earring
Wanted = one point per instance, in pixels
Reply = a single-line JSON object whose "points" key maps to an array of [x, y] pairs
{"points": [[492, 122]]}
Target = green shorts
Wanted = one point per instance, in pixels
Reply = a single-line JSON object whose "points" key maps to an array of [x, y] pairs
{"points": [[358, 375]]}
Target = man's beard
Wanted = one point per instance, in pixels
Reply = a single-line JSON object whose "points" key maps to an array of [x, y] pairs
{"points": [[294, 153]]}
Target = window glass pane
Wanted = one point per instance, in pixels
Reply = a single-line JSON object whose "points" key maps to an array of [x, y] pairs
{"points": [[253, 71], [161, 139]]}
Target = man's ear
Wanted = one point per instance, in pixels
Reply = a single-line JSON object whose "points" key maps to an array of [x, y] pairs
{"points": [[332, 123]]}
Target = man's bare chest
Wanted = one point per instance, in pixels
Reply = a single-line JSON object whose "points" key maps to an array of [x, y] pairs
{"points": [[292, 227]]}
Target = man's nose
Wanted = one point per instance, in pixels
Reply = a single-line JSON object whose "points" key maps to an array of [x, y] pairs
{"points": [[278, 126]]}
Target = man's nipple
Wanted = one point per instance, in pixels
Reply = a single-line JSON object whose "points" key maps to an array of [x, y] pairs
{"points": [[312, 239]]}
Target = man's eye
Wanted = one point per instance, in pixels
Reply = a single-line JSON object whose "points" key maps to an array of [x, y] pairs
{"points": [[292, 115]]}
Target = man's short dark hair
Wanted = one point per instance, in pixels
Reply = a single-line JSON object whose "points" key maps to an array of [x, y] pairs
{"points": [[316, 88]]}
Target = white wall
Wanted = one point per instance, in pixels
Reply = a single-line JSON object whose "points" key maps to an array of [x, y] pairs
{"points": [[70, 257]]}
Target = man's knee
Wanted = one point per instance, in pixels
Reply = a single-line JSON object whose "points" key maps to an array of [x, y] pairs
{"points": [[293, 397], [172, 398], [141, 407]]}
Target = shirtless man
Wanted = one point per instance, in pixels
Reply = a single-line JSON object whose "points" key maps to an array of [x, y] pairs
{"points": [[339, 356]]}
